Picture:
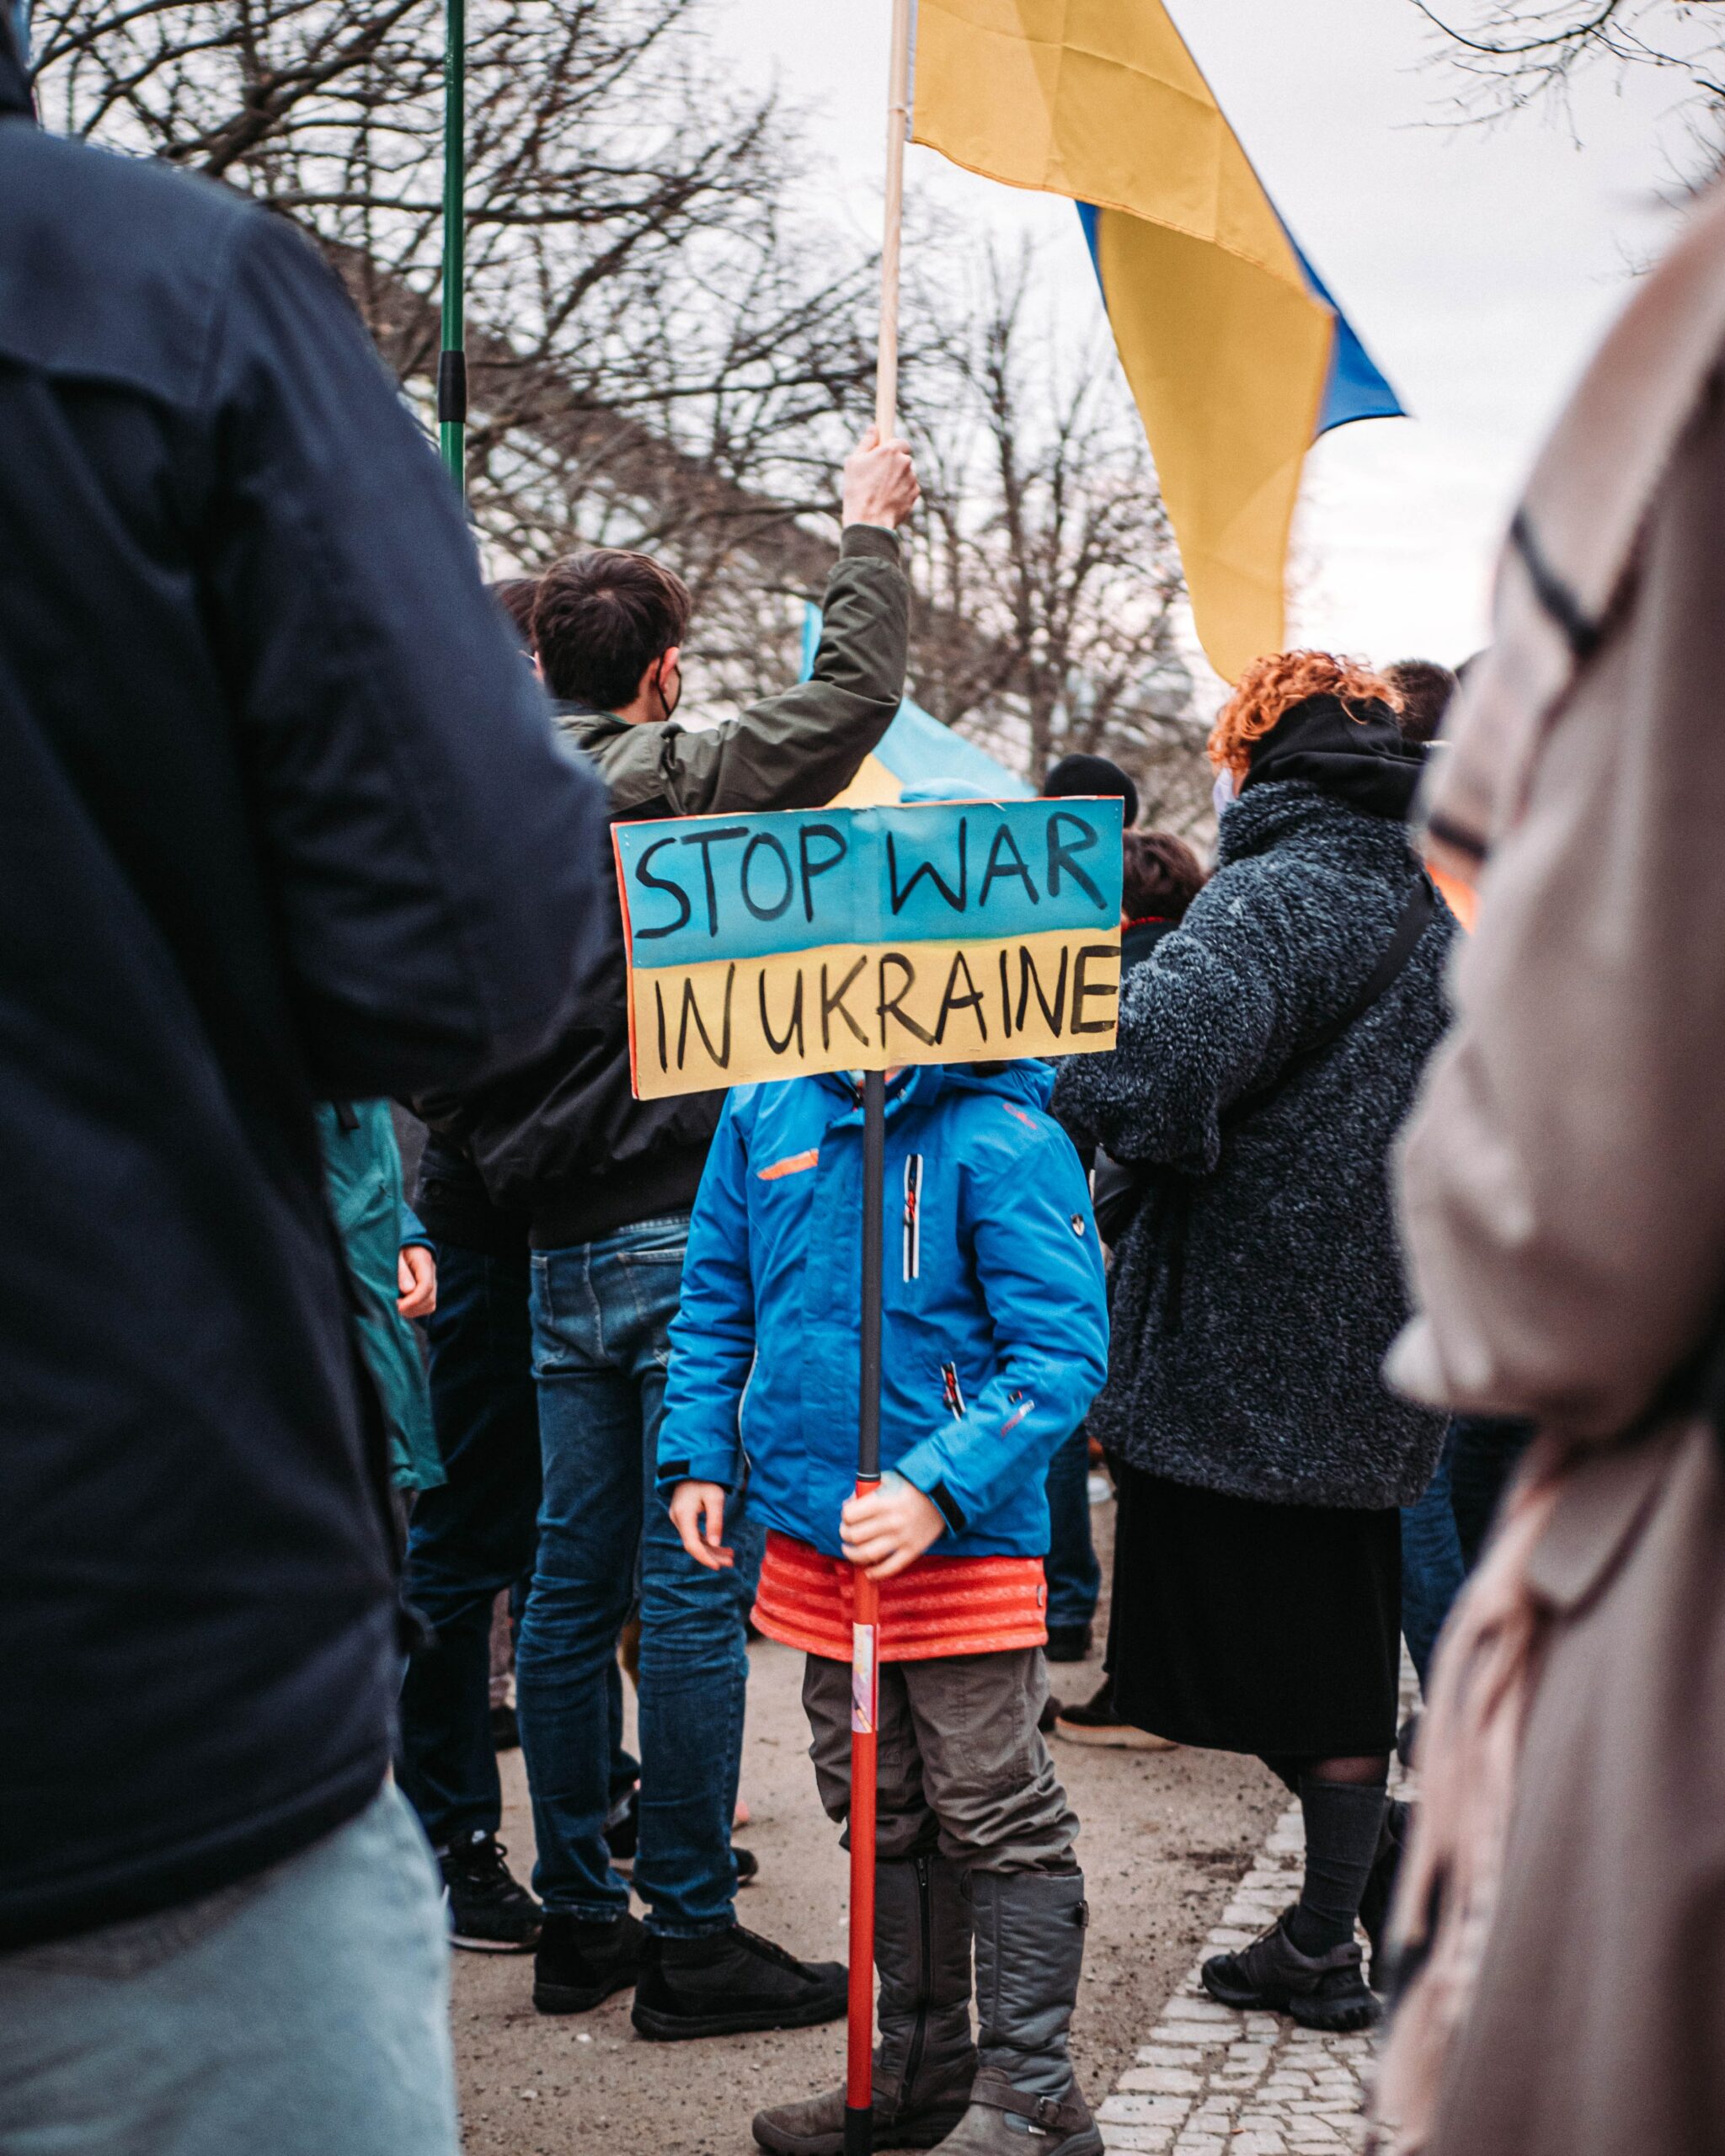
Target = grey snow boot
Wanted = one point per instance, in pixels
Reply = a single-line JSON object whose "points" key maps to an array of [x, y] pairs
{"points": [[925, 2061], [1025, 2101]]}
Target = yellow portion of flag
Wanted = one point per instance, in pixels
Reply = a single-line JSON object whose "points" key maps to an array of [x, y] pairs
{"points": [[874, 786], [1224, 347]]}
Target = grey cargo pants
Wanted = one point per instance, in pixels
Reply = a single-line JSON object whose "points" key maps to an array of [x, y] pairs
{"points": [[963, 1765]]}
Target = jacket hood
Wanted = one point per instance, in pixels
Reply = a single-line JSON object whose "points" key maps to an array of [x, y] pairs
{"points": [[1026, 1080], [1295, 810], [14, 83], [1354, 752]]}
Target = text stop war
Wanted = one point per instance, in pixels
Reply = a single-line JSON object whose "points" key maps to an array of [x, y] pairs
{"points": [[775, 945]]}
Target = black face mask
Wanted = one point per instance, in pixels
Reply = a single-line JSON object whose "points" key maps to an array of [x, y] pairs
{"points": [[668, 705]]}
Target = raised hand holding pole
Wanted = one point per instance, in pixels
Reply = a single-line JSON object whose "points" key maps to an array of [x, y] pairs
{"points": [[865, 1627]]}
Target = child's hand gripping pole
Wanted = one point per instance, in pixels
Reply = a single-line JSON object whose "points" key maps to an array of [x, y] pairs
{"points": [[865, 1677]]}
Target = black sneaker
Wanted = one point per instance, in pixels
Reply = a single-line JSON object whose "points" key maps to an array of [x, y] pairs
{"points": [[1322, 1991], [748, 1865], [505, 1729], [490, 1912], [1096, 1722], [728, 1982], [579, 1963], [1067, 1643]]}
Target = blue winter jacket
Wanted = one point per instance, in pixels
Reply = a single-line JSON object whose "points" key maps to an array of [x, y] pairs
{"points": [[994, 1330]]}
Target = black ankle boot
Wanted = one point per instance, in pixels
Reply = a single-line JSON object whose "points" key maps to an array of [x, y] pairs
{"points": [[727, 1982], [580, 1963]]}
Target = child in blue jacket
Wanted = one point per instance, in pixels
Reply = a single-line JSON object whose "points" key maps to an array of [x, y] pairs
{"points": [[995, 1339]]}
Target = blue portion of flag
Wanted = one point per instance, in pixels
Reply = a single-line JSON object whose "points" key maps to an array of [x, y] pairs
{"points": [[917, 749], [1356, 387], [1086, 218]]}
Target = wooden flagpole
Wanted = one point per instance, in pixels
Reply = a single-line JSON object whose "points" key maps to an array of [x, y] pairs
{"points": [[865, 1626], [897, 127]]}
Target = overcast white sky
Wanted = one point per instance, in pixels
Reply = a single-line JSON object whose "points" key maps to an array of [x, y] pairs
{"points": [[1480, 266]]}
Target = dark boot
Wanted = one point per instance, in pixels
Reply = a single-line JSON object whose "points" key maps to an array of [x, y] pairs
{"points": [[1381, 1888], [579, 1963], [924, 2062], [728, 1983], [1025, 2101], [1321, 1990]]}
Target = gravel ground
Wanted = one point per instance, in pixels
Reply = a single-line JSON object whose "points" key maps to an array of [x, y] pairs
{"points": [[1166, 1836]]}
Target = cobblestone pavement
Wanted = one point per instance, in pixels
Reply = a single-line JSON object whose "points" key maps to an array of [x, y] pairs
{"points": [[1213, 2082]]}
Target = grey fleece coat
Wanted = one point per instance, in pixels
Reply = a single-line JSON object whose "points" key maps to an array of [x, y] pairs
{"points": [[1258, 1289]]}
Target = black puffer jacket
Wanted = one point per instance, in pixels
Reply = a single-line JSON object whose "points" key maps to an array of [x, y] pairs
{"points": [[1257, 1292]]}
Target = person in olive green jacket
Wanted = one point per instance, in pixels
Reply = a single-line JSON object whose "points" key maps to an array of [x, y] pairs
{"points": [[394, 1275], [608, 1183]]}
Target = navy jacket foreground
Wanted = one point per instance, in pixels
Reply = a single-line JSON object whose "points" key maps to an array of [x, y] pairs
{"points": [[280, 817], [994, 1331]]}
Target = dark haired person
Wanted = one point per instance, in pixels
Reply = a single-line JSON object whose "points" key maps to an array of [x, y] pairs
{"points": [[1421, 693], [1268, 1054], [472, 1536], [280, 821], [608, 1183], [1073, 1575], [516, 595], [1160, 877]]}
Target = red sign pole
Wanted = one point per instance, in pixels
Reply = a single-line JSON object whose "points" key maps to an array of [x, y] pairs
{"points": [[865, 1642]]}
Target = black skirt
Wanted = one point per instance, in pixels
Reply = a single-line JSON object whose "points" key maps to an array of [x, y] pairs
{"points": [[1242, 1626]]}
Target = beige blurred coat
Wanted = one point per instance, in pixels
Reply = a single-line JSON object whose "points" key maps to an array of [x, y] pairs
{"points": [[1563, 1189]]}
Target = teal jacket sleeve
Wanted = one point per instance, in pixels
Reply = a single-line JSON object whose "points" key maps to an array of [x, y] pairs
{"points": [[1039, 1261], [712, 1336]]}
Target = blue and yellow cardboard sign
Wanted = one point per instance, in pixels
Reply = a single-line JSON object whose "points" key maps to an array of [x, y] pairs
{"points": [[776, 945]]}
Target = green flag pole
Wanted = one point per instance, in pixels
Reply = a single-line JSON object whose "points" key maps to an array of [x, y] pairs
{"points": [[452, 359]]}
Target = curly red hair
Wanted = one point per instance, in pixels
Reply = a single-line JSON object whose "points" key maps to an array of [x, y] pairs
{"points": [[1274, 685]]}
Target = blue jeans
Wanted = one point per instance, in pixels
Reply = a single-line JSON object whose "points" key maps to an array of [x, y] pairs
{"points": [[602, 1316], [302, 2013], [1073, 1575], [1485, 1450], [1432, 1569], [470, 1539]]}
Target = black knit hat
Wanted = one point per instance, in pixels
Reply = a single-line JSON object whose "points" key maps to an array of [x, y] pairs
{"points": [[1091, 775], [1353, 751]]}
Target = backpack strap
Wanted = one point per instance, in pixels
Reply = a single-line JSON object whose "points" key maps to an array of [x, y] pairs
{"points": [[1120, 1189], [1416, 916]]}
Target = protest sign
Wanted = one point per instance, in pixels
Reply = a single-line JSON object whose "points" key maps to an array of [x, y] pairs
{"points": [[775, 945]]}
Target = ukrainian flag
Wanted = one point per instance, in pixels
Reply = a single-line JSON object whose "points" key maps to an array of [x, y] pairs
{"points": [[916, 749], [1235, 353]]}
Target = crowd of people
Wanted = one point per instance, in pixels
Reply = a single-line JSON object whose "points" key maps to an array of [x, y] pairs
{"points": [[1364, 1220]]}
